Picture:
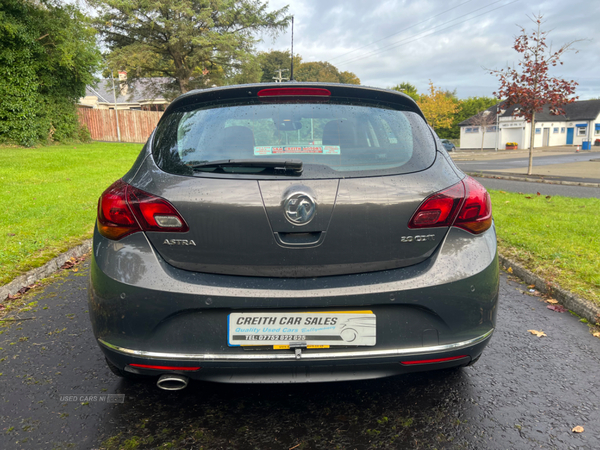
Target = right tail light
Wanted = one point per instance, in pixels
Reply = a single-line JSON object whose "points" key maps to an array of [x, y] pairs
{"points": [[465, 205]]}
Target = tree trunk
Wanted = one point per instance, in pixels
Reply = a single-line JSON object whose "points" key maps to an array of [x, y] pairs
{"points": [[183, 85], [482, 137], [531, 142]]}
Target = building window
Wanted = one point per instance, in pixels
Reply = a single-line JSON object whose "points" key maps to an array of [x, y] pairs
{"points": [[472, 130], [597, 131], [562, 130], [555, 130], [581, 131], [538, 131], [491, 129]]}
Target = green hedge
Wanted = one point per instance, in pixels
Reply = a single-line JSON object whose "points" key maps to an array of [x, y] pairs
{"points": [[48, 55]]}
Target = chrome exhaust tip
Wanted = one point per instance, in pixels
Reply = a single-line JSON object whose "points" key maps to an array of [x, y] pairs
{"points": [[172, 382]]}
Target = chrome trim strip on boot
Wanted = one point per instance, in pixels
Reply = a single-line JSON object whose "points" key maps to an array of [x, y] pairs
{"points": [[216, 357]]}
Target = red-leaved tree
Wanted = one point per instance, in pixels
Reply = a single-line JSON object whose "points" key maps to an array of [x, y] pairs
{"points": [[529, 85]]}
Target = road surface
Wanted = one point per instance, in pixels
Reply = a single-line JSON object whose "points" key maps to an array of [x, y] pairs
{"points": [[525, 392]]}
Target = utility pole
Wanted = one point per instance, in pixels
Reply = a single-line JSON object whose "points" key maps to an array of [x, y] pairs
{"points": [[279, 78], [292, 65], [497, 124], [116, 112]]}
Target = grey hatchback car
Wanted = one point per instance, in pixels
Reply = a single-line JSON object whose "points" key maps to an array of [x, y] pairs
{"points": [[292, 232]]}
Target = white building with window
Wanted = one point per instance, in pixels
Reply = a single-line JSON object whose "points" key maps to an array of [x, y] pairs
{"points": [[580, 125]]}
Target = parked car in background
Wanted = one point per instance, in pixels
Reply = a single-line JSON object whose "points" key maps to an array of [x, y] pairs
{"points": [[449, 146], [295, 232]]}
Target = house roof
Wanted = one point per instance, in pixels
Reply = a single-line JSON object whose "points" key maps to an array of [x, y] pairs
{"points": [[581, 110], [140, 90]]}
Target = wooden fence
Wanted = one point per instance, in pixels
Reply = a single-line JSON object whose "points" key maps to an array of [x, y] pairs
{"points": [[135, 126]]}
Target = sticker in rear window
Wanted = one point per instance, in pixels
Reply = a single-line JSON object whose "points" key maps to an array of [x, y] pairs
{"points": [[298, 149]]}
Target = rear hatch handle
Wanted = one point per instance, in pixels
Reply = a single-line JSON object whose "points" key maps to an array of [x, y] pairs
{"points": [[301, 239]]}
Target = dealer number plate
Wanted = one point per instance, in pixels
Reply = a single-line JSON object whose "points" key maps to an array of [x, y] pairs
{"points": [[314, 329]]}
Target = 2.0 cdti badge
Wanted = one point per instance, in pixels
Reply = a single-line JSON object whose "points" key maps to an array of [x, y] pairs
{"points": [[292, 232]]}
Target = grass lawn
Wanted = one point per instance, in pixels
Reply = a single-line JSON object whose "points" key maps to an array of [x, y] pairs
{"points": [[558, 238], [49, 197]]}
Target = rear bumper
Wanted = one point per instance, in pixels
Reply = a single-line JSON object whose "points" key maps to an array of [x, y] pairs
{"points": [[144, 311], [306, 366]]}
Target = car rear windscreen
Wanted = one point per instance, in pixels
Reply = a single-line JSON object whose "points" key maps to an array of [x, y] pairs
{"points": [[332, 139]]}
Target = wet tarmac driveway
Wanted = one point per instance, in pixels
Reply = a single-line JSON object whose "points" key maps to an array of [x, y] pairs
{"points": [[525, 392]]}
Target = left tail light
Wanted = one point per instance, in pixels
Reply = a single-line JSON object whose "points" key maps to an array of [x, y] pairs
{"points": [[124, 209]]}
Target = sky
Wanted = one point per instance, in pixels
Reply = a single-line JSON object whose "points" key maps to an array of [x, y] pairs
{"points": [[450, 42]]}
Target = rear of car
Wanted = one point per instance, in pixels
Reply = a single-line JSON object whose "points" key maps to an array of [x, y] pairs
{"points": [[293, 232]]}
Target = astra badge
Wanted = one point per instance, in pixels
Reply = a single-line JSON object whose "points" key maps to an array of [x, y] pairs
{"points": [[299, 208], [179, 242]]}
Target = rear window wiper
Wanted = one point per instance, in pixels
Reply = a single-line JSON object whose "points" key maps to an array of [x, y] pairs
{"points": [[293, 165]]}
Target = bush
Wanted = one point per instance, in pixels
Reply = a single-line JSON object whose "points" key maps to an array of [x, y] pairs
{"points": [[84, 134], [48, 55]]}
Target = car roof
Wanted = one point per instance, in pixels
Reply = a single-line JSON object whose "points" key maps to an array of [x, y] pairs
{"points": [[246, 91]]}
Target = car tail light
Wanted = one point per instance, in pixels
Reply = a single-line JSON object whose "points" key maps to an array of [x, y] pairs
{"points": [[433, 361], [466, 205], [123, 210], [182, 368], [294, 92], [476, 212], [439, 210], [115, 219]]}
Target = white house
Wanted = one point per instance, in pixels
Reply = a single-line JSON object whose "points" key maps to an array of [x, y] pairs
{"points": [[579, 125]]}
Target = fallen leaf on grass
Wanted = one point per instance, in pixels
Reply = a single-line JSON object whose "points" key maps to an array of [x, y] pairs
{"points": [[538, 333], [531, 286], [552, 301], [527, 196], [509, 270], [557, 308], [539, 193], [577, 429], [596, 334], [548, 197], [502, 192]]}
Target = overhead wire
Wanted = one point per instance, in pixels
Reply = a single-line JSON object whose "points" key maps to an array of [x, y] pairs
{"points": [[401, 31], [427, 33]]}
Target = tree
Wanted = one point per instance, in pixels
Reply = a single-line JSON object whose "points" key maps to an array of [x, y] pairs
{"points": [[483, 120], [438, 107], [530, 85], [184, 40], [408, 89], [349, 78], [249, 72], [323, 71], [271, 61], [48, 55]]}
